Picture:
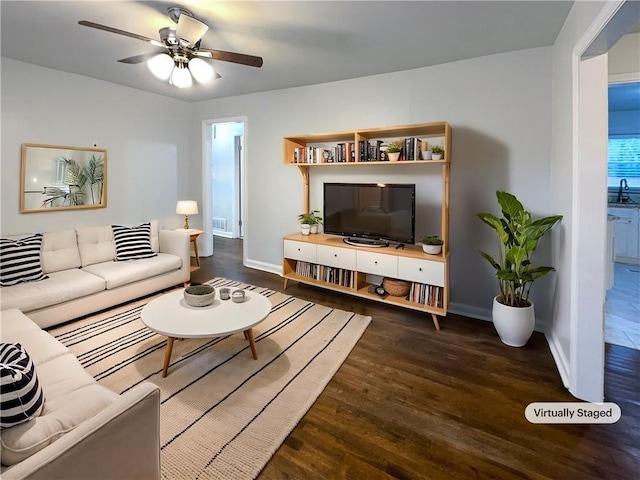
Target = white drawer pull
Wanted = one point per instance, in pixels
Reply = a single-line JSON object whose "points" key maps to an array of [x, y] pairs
{"points": [[420, 269], [335, 255]]}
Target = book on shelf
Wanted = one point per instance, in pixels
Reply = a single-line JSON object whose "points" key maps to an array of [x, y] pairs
{"points": [[425, 294]]}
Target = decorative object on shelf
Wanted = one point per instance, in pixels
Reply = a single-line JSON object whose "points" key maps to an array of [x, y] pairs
{"points": [[518, 235], [305, 229], [432, 244], [393, 151], [426, 154], [437, 152], [238, 296], [396, 288], [62, 178], [186, 208], [199, 295], [225, 293], [313, 219]]}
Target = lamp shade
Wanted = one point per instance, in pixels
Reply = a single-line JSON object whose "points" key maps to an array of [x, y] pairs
{"points": [[201, 70], [161, 66], [187, 207], [181, 77]]}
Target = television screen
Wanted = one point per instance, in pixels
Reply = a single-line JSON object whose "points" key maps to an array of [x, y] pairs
{"points": [[371, 211]]}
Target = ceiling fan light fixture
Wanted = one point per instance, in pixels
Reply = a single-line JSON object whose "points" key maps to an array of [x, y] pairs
{"points": [[161, 66], [202, 71], [181, 77]]}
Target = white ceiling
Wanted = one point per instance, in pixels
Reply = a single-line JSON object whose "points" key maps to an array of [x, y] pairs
{"points": [[302, 42]]}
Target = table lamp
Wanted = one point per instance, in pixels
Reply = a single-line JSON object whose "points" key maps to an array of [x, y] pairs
{"points": [[186, 208]]}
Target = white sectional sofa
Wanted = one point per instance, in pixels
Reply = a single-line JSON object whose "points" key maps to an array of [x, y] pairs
{"points": [[84, 430], [84, 278]]}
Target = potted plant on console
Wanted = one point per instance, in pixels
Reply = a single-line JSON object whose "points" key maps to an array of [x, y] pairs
{"points": [[432, 244], [518, 235], [309, 222]]}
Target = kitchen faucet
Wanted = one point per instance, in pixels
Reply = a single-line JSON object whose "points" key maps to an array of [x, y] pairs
{"points": [[622, 197]]}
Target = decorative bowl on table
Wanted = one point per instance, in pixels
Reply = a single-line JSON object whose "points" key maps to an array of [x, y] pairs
{"points": [[199, 295]]}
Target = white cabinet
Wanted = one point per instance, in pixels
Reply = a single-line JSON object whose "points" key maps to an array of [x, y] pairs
{"points": [[627, 234], [421, 271], [300, 251], [377, 264], [337, 257]]}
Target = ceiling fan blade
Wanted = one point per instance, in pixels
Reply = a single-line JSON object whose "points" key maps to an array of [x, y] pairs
{"points": [[98, 26], [240, 58], [190, 29], [139, 58]]}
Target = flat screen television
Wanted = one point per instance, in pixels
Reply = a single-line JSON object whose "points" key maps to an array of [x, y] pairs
{"points": [[370, 213]]}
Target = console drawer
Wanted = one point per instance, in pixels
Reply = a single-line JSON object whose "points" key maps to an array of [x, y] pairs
{"points": [[377, 264], [421, 271], [300, 251], [337, 257]]}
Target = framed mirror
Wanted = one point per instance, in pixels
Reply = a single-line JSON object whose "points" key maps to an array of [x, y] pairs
{"points": [[62, 178]]}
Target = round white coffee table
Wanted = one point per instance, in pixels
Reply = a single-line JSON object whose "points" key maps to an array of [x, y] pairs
{"points": [[170, 315]]}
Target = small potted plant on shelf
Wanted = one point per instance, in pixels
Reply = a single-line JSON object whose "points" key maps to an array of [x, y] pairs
{"points": [[309, 222], [393, 151], [518, 235], [432, 244], [437, 152]]}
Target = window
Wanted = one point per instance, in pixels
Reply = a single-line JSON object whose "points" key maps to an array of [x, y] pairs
{"points": [[624, 135], [624, 161]]}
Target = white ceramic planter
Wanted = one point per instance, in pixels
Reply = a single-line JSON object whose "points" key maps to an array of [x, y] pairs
{"points": [[436, 156], [315, 228], [426, 154], [393, 156], [514, 325], [305, 229], [431, 249]]}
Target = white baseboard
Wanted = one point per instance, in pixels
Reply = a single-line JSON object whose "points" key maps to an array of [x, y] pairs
{"points": [[469, 311], [265, 267]]}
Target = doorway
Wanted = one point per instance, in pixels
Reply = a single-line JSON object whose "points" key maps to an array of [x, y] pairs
{"points": [[223, 176], [226, 172]]}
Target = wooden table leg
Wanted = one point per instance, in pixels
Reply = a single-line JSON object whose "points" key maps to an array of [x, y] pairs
{"points": [[167, 356], [435, 321], [252, 343], [195, 250]]}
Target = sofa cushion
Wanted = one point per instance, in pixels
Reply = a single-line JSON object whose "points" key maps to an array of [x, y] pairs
{"points": [[117, 274], [95, 244], [60, 251], [59, 287], [155, 239], [20, 260], [16, 327], [133, 243], [20, 392], [72, 409]]}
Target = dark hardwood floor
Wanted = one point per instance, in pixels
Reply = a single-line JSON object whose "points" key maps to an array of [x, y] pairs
{"points": [[413, 403]]}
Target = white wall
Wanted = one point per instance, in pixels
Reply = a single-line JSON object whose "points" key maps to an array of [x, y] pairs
{"points": [[570, 179], [624, 56], [145, 136], [499, 109]]}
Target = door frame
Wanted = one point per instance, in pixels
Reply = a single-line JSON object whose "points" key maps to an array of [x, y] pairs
{"points": [[207, 194]]}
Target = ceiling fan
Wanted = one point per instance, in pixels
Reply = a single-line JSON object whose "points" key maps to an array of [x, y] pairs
{"points": [[181, 56]]}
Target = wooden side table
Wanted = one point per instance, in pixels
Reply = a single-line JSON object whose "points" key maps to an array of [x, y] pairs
{"points": [[193, 237]]}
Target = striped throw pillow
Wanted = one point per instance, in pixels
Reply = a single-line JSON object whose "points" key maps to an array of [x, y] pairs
{"points": [[21, 396], [133, 243], [20, 260]]}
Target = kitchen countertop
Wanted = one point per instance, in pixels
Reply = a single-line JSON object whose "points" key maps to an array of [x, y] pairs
{"points": [[623, 205]]}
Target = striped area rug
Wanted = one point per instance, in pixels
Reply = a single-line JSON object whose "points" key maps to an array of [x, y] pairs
{"points": [[223, 414]]}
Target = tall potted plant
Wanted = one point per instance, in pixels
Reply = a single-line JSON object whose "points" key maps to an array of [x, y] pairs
{"points": [[518, 235]]}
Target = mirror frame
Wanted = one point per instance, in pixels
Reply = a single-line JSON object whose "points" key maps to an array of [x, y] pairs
{"points": [[56, 190]]}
